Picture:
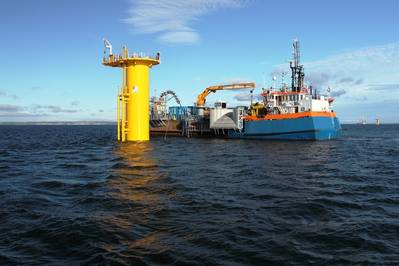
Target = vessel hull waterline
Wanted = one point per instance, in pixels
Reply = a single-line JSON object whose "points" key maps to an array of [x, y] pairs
{"points": [[305, 128]]}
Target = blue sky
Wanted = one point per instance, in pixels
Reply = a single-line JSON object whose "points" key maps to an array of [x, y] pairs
{"points": [[52, 52]]}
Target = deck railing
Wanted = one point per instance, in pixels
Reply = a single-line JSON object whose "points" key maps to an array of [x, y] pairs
{"points": [[117, 57]]}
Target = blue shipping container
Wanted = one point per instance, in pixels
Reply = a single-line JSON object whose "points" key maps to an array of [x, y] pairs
{"points": [[181, 112]]}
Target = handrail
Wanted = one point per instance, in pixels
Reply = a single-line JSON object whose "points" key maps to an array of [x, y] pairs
{"points": [[117, 57]]}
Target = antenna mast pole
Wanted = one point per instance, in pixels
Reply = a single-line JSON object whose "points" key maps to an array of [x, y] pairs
{"points": [[297, 73]]}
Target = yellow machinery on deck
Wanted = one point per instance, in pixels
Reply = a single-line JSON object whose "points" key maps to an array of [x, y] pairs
{"points": [[201, 98], [133, 97]]}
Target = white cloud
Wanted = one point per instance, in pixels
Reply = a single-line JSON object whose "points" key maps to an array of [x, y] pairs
{"points": [[7, 95], [37, 108], [75, 103], [172, 20], [358, 71], [8, 108], [179, 37], [237, 80], [243, 97], [11, 112]]}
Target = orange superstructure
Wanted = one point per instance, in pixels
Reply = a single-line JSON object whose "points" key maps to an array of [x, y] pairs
{"points": [[291, 116]]}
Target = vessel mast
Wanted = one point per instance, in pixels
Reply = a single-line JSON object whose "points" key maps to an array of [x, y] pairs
{"points": [[297, 73]]}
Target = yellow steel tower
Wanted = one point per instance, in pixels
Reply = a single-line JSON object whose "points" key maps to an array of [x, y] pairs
{"points": [[133, 97]]}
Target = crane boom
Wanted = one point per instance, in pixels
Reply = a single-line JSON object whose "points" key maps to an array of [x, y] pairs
{"points": [[235, 86], [107, 45]]}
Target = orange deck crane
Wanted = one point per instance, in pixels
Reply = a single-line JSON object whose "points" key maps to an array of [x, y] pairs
{"points": [[236, 86]]}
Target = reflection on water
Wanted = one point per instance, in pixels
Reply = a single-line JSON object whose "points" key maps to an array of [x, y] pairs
{"points": [[136, 183], [135, 171]]}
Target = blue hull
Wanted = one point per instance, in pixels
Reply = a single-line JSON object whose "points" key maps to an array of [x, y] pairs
{"points": [[306, 128]]}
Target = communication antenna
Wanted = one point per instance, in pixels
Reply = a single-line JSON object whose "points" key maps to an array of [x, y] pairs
{"points": [[107, 45], [297, 73]]}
